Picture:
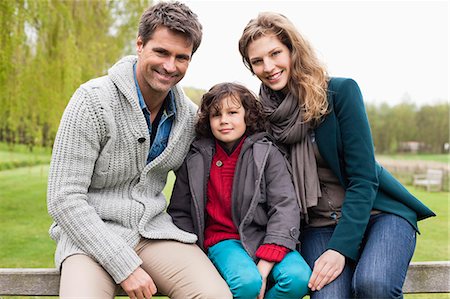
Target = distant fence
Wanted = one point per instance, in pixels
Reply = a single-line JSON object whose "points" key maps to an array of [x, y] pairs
{"points": [[404, 170]]}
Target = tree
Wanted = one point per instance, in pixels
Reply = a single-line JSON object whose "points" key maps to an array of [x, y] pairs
{"points": [[48, 48], [433, 124], [402, 124], [194, 94]]}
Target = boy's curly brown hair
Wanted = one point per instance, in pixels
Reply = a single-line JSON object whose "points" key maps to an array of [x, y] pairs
{"points": [[239, 94]]}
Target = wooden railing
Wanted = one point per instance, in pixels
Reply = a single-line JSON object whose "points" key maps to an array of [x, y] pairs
{"points": [[422, 277]]}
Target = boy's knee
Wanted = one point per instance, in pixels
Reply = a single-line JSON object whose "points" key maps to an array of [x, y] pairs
{"points": [[246, 287], [301, 281], [295, 283]]}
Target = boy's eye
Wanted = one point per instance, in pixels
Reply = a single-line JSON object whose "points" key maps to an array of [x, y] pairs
{"points": [[214, 114]]}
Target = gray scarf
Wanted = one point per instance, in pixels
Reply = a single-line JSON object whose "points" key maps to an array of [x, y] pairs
{"points": [[287, 126]]}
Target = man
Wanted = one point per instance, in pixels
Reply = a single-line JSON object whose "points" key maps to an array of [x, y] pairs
{"points": [[119, 137]]}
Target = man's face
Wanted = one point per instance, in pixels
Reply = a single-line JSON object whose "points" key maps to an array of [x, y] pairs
{"points": [[163, 61]]}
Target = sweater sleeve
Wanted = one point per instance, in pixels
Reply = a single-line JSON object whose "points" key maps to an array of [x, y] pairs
{"points": [[76, 149], [272, 252], [360, 169]]}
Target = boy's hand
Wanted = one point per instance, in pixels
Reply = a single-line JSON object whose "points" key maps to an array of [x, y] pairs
{"points": [[264, 268]]}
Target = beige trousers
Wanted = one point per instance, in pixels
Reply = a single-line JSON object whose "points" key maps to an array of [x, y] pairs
{"points": [[179, 270]]}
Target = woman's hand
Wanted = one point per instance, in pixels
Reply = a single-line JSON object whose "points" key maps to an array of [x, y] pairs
{"points": [[326, 268], [139, 285], [264, 268]]}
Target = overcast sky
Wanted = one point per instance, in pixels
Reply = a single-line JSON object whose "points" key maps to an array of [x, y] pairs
{"points": [[393, 49]]}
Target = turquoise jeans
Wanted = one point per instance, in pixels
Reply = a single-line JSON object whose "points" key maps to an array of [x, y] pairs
{"points": [[288, 278]]}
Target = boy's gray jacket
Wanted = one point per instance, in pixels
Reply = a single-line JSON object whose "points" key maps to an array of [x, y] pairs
{"points": [[264, 207], [102, 195]]}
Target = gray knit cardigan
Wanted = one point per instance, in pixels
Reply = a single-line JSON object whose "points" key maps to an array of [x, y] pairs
{"points": [[102, 195]]}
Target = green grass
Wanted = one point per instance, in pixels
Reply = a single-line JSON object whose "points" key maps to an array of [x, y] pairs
{"points": [[21, 148], [14, 156], [433, 242], [24, 222], [24, 241]]}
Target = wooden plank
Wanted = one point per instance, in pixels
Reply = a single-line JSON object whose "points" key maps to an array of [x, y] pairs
{"points": [[32, 281], [422, 277], [27, 282], [428, 277]]}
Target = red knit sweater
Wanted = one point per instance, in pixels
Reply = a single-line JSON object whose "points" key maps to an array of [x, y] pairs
{"points": [[219, 223]]}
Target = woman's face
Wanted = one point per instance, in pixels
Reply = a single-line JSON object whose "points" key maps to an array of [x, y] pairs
{"points": [[270, 60]]}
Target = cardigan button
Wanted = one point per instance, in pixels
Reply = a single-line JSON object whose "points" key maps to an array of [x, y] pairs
{"points": [[294, 232], [219, 163]]}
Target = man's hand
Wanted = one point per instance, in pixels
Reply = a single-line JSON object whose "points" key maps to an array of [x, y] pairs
{"points": [[264, 268], [326, 268], [139, 285]]}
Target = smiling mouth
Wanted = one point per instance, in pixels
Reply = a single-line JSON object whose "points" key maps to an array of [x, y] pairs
{"points": [[166, 75], [275, 76]]}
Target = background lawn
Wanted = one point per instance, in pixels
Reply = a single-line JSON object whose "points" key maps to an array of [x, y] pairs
{"points": [[20, 156], [24, 241], [423, 157], [24, 222]]}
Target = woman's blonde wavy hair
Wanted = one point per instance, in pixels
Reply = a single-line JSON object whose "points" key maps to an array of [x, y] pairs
{"points": [[308, 75]]}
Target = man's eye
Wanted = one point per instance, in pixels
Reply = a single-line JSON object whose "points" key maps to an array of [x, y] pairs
{"points": [[160, 53], [183, 59]]}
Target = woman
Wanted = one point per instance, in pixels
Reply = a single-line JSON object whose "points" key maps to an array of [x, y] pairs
{"points": [[359, 223]]}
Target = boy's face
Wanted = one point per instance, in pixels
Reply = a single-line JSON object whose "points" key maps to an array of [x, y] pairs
{"points": [[228, 123]]}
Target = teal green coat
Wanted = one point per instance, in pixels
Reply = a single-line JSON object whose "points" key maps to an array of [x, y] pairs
{"points": [[345, 142]]}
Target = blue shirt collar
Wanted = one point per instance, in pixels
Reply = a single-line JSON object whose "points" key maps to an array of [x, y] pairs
{"points": [[170, 107]]}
